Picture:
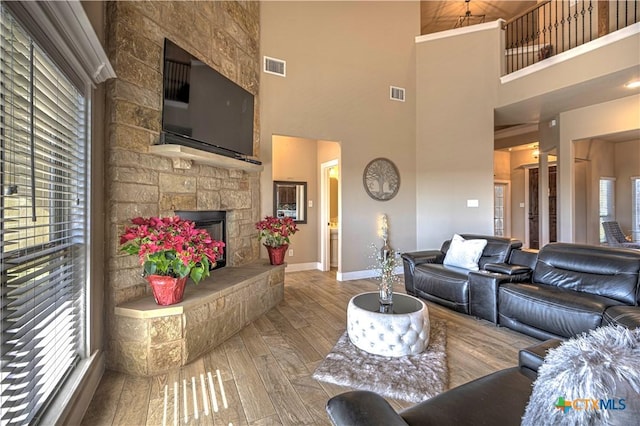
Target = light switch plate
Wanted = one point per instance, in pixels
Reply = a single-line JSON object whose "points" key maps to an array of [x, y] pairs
{"points": [[473, 203]]}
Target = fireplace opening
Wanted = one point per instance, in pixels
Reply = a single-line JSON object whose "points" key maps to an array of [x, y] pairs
{"points": [[214, 221]]}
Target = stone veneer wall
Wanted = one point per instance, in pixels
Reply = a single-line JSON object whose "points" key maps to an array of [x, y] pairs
{"points": [[225, 35], [149, 339]]}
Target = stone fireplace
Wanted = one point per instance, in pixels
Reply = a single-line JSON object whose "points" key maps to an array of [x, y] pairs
{"points": [[215, 223], [139, 182]]}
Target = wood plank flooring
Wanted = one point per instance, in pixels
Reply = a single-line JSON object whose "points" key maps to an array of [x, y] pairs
{"points": [[265, 370]]}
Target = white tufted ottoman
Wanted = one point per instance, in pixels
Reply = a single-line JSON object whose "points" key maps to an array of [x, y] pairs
{"points": [[404, 331]]}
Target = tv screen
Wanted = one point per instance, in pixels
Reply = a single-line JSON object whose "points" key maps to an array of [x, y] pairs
{"points": [[204, 109]]}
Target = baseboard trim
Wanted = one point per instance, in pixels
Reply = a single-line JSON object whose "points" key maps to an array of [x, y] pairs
{"points": [[297, 267], [367, 273]]}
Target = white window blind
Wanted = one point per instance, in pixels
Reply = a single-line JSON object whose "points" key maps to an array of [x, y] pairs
{"points": [[43, 225], [607, 203]]}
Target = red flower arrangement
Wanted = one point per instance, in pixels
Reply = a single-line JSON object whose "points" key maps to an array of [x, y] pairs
{"points": [[172, 247], [276, 231]]}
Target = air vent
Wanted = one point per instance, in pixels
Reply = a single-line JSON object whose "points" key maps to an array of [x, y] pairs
{"points": [[275, 66], [396, 93]]}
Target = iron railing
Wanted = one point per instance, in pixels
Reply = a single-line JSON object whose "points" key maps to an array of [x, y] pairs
{"points": [[555, 26]]}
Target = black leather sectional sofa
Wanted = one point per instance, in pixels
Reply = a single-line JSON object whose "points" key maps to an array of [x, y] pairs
{"points": [[561, 291]]}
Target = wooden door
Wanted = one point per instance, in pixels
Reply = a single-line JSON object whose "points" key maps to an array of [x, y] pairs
{"points": [[534, 239], [553, 216], [534, 214]]}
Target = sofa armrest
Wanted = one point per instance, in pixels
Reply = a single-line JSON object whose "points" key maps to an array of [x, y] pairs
{"points": [[508, 269], [483, 292], [426, 256], [362, 408], [485, 283], [412, 259], [532, 357]]}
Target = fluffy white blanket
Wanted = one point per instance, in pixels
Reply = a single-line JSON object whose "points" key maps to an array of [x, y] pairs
{"points": [[592, 379]]}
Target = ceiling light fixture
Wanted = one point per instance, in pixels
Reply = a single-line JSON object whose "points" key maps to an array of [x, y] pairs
{"points": [[634, 84], [536, 153], [468, 18]]}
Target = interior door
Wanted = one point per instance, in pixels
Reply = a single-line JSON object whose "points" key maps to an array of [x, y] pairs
{"points": [[534, 234], [553, 217], [534, 214]]}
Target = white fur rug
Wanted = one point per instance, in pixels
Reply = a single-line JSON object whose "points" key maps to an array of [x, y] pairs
{"points": [[411, 378]]}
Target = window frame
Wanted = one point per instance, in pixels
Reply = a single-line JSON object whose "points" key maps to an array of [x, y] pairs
{"points": [[64, 31]]}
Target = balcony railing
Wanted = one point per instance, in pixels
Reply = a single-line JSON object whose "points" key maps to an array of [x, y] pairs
{"points": [[553, 27]]}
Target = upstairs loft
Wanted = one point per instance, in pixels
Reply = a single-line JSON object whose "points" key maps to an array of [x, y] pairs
{"points": [[552, 27]]}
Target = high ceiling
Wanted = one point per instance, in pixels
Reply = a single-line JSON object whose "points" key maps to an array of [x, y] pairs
{"points": [[443, 15]]}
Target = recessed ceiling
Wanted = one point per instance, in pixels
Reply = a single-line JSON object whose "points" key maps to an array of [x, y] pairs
{"points": [[443, 15]]}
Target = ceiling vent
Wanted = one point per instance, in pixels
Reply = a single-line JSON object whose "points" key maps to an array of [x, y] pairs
{"points": [[275, 66], [396, 93]]}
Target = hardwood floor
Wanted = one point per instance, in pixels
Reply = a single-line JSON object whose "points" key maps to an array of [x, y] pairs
{"points": [[265, 370]]}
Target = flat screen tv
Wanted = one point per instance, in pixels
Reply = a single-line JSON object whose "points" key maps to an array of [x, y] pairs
{"points": [[203, 109]]}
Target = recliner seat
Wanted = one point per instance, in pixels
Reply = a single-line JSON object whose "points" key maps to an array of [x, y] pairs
{"points": [[427, 277], [571, 288]]}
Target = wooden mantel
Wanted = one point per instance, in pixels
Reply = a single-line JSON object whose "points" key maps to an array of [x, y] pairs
{"points": [[183, 156]]}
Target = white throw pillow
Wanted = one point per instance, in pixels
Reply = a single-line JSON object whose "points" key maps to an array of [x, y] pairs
{"points": [[464, 253]]}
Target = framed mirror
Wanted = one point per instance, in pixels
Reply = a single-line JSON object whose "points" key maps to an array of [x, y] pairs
{"points": [[290, 200]]}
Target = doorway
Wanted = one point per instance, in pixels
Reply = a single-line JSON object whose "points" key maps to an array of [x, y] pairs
{"points": [[534, 211], [330, 215]]}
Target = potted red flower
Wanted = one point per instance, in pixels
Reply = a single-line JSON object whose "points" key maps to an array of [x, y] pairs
{"points": [[171, 250], [276, 232]]}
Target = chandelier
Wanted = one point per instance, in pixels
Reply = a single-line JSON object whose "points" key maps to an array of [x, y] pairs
{"points": [[468, 18]]}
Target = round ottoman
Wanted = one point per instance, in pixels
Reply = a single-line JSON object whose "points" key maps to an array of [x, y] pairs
{"points": [[399, 330]]}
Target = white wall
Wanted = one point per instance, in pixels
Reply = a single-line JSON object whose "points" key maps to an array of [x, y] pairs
{"points": [[295, 160], [457, 79], [590, 122], [341, 59]]}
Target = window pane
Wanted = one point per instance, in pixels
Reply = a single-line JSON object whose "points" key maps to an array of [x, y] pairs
{"points": [[42, 227], [498, 209], [607, 203]]}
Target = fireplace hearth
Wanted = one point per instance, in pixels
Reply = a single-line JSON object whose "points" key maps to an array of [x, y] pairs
{"points": [[215, 222]]}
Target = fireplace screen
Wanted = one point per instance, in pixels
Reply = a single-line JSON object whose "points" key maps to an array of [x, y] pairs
{"points": [[214, 221]]}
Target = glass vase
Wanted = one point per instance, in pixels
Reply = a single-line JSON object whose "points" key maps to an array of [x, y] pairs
{"points": [[386, 290]]}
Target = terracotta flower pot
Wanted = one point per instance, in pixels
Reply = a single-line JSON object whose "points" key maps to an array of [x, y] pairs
{"points": [[276, 254], [167, 290]]}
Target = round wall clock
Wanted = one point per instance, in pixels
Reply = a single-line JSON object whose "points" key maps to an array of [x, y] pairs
{"points": [[381, 179]]}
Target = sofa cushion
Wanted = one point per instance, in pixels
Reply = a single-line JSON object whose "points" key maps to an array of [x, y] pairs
{"points": [[445, 285], [464, 253], [603, 271], [557, 311]]}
